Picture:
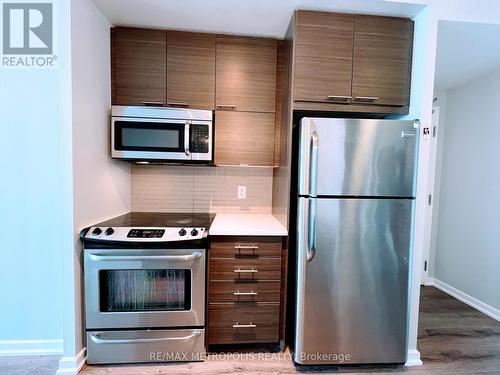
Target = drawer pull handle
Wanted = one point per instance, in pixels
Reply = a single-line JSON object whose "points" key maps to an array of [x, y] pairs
{"points": [[178, 104], [366, 98], [238, 293], [339, 97], [153, 103], [251, 325], [245, 247], [245, 271], [226, 106]]}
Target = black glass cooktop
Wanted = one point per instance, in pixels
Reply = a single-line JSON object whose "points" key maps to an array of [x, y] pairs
{"points": [[159, 219]]}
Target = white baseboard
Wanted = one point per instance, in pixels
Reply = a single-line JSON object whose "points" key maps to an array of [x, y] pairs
{"points": [[72, 365], [465, 298], [31, 347], [413, 358], [429, 282]]}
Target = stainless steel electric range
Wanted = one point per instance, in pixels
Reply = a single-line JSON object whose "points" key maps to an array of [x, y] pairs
{"points": [[145, 287]]}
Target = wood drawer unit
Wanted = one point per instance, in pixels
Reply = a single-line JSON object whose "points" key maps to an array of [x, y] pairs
{"points": [[246, 247], [242, 270], [245, 290], [231, 323], [257, 291]]}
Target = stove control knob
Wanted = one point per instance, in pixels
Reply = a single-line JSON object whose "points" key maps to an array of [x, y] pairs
{"points": [[182, 232], [194, 232], [97, 231], [109, 231]]}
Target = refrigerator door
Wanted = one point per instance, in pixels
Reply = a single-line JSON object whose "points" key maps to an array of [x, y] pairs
{"points": [[352, 280], [352, 157]]}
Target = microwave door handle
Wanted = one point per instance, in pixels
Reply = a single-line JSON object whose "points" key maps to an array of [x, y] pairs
{"points": [[186, 139]]}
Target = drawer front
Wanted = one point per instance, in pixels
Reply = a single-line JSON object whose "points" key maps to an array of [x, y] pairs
{"points": [[258, 291], [243, 323], [245, 270], [246, 247], [105, 347]]}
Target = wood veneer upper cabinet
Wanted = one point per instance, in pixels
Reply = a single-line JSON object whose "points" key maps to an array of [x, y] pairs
{"points": [[138, 66], [382, 60], [323, 56], [244, 138], [190, 70], [246, 73]]}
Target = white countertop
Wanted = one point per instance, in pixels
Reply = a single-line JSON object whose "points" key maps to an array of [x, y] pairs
{"points": [[246, 225]]}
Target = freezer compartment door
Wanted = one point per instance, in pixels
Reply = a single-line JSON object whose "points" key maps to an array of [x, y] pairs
{"points": [[352, 280], [352, 157]]}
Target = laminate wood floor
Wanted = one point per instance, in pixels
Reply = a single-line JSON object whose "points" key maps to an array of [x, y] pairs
{"points": [[453, 339]]}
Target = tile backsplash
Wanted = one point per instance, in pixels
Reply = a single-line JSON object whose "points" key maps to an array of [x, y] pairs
{"points": [[164, 188]]}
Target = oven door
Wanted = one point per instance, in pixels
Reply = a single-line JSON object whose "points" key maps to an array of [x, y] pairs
{"points": [[142, 288]]}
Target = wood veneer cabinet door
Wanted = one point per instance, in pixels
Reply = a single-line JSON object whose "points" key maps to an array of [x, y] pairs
{"points": [[138, 66], [244, 138], [190, 70], [323, 56], [382, 60], [246, 73]]}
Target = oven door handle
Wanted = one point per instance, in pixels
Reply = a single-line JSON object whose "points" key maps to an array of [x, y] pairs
{"points": [[171, 258], [98, 340]]}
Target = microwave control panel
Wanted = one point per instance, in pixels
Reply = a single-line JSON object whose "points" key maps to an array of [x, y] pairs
{"points": [[199, 138]]}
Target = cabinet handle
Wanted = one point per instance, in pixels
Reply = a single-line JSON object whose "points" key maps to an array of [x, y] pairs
{"points": [[251, 325], [238, 293], [226, 106], [245, 271], [178, 104], [366, 98], [246, 247], [339, 97], [153, 103]]}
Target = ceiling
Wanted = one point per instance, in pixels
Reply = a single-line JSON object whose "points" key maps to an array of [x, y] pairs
{"points": [[465, 51], [245, 17]]}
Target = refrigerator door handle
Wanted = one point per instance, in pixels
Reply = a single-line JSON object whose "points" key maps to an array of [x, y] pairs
{"points": [[311, 230], [313, 173], [308, 159]]}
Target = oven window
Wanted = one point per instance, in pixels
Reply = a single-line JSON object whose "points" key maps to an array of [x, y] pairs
{"points": [[149, 136], [145, 290]]}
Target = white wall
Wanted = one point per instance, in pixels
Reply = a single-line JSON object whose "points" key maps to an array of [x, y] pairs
{"points": [[57, 177], [441, 103], [467, 253], [101, 186], [426, 28], [35, 198], [424, 49]]}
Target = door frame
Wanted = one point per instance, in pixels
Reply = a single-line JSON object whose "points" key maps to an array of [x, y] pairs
{"points": [[427, 258]]}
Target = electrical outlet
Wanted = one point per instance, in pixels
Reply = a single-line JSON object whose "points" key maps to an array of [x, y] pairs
{"points": [[242, 192]]}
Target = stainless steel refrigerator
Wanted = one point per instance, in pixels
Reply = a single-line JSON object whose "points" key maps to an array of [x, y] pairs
{"points": [[356, 197]]}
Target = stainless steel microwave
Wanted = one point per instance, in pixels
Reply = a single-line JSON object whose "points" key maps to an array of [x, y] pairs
{"points": [[161, 134]]}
